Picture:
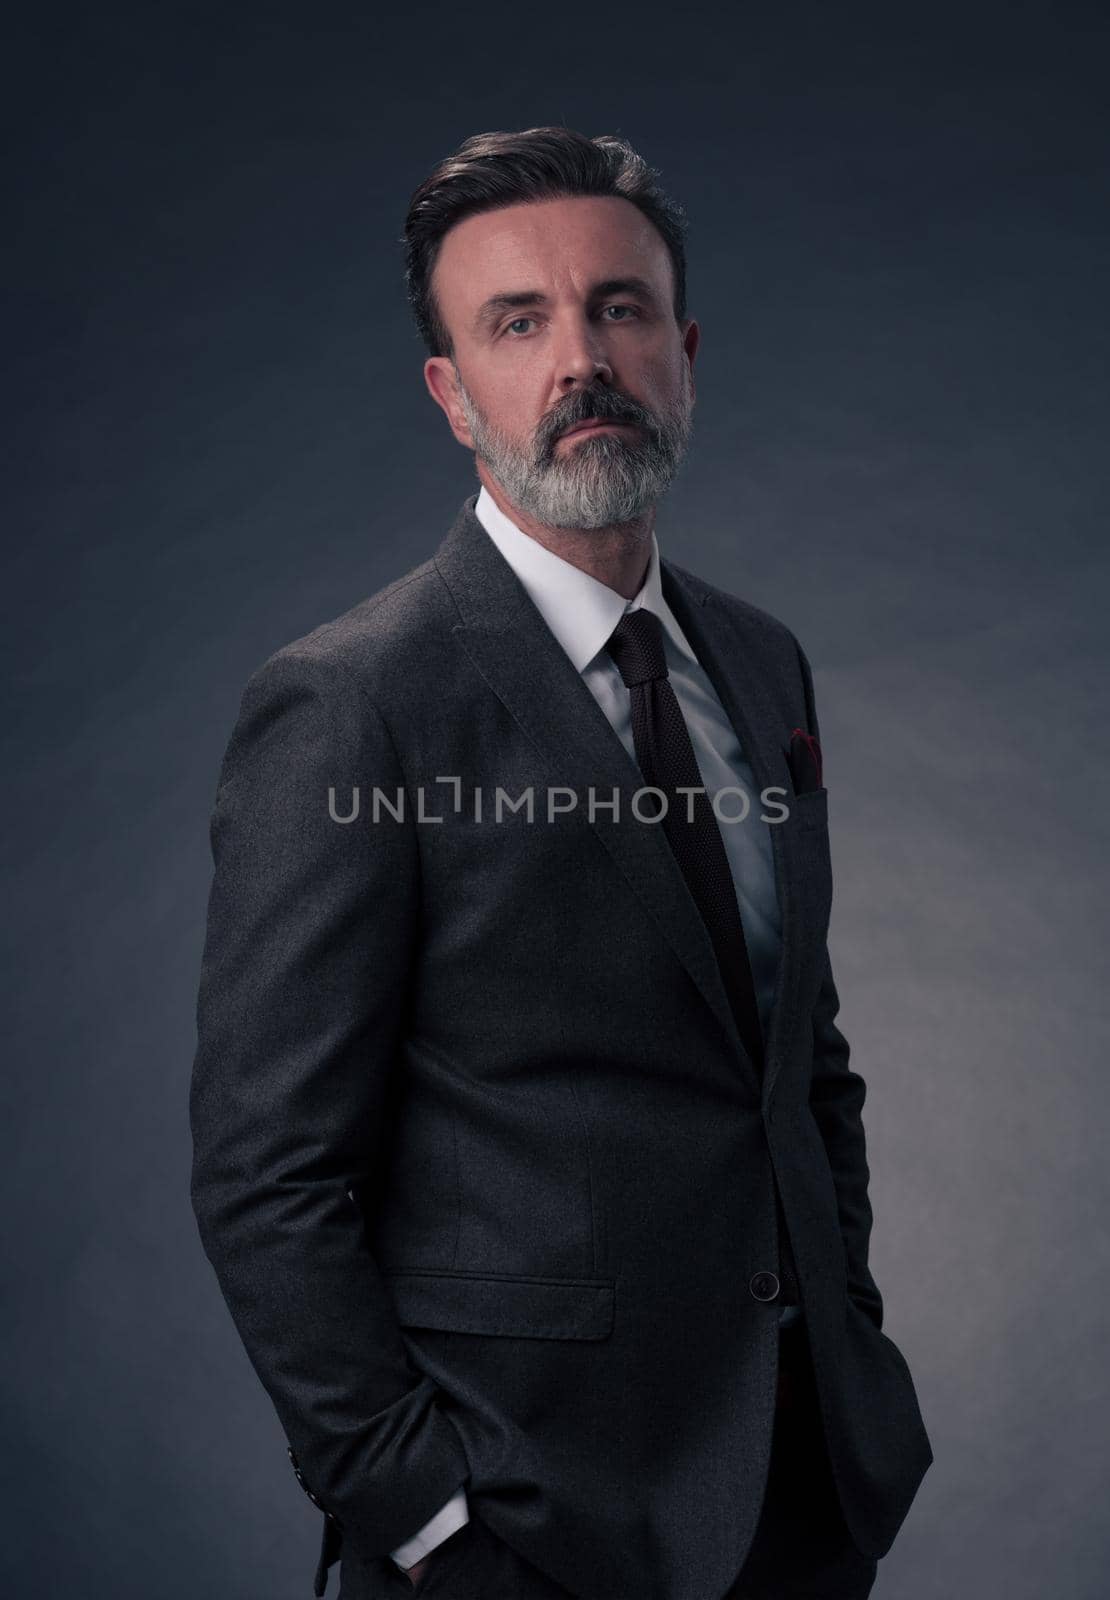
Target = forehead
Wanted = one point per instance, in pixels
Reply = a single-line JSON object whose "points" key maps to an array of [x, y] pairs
{"points": [[548, 245]]}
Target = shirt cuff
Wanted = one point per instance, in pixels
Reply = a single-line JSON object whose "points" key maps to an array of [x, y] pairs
{"points": [[447, 1520]]}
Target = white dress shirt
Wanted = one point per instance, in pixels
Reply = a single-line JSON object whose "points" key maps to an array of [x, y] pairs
{"points": [[582, 613]]}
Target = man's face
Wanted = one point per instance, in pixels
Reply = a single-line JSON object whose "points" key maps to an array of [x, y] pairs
{"points": [[560, 311]]}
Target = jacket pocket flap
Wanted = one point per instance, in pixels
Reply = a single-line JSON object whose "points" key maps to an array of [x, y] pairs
{"points": [[523, 1308]]}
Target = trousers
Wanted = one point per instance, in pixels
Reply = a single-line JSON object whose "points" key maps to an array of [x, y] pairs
{"points": [[801, 1549]]}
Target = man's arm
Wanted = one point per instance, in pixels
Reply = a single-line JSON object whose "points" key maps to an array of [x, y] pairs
{"points": [[836, 1101], [305, 977]]}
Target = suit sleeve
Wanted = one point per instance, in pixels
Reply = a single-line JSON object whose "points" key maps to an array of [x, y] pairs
{"points": [[305, 977], [836, 1100]]}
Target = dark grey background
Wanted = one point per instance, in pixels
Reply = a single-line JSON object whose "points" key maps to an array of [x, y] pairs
{"points": [[221, 437]]}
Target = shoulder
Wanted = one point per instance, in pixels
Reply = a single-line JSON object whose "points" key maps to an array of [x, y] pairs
{"points": [[375, 647], [342, 689], [775, 642]]}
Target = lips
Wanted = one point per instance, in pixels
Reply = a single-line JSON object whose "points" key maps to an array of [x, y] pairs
{"points": [[592, 423]]}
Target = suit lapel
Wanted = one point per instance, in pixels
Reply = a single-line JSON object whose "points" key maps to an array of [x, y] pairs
{"points": [[731, 659], [525, 666]]}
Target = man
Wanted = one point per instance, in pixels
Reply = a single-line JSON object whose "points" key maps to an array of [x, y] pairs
{"points": [[527, 1152]]}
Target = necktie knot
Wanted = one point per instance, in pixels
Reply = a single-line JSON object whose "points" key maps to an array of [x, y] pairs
{"points": [[636, 645]]}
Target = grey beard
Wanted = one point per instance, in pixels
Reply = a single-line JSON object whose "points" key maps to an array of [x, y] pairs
{"points": [[600, 481]]}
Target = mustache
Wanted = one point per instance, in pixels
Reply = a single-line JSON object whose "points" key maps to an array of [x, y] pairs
{"points": [[603, 405]]}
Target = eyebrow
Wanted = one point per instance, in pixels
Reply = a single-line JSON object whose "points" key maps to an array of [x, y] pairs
{"points": [[491, 309]]}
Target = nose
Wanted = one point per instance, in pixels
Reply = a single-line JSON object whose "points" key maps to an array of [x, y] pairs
{"points": [[579, 356]]}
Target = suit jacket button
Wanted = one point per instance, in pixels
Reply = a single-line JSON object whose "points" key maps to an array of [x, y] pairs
{"points": [[764, 1286]]}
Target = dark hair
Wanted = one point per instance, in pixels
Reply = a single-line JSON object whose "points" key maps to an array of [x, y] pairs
{"points": [[491, 170]]}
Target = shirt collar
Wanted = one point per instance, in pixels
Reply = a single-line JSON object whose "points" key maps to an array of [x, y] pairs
{"points": [[580, 611]]}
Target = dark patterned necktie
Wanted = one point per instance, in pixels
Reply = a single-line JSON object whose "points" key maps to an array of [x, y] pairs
{"points": [[667, 760]]}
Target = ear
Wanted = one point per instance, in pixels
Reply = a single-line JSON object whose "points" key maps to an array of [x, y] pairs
{"points": [[439, 375], [691, 337]]}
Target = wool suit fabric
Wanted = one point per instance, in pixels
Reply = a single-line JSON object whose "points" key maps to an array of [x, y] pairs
{"points": [[480, 1162]]}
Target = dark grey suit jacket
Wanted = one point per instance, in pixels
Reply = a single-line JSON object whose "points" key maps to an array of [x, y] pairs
{"points": [[481, 1164]]}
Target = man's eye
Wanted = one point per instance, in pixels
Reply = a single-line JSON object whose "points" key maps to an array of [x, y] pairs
{"points": [[509, 326]]}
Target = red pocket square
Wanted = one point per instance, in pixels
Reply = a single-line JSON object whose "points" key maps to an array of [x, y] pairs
{"points": [[804, 757]]}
